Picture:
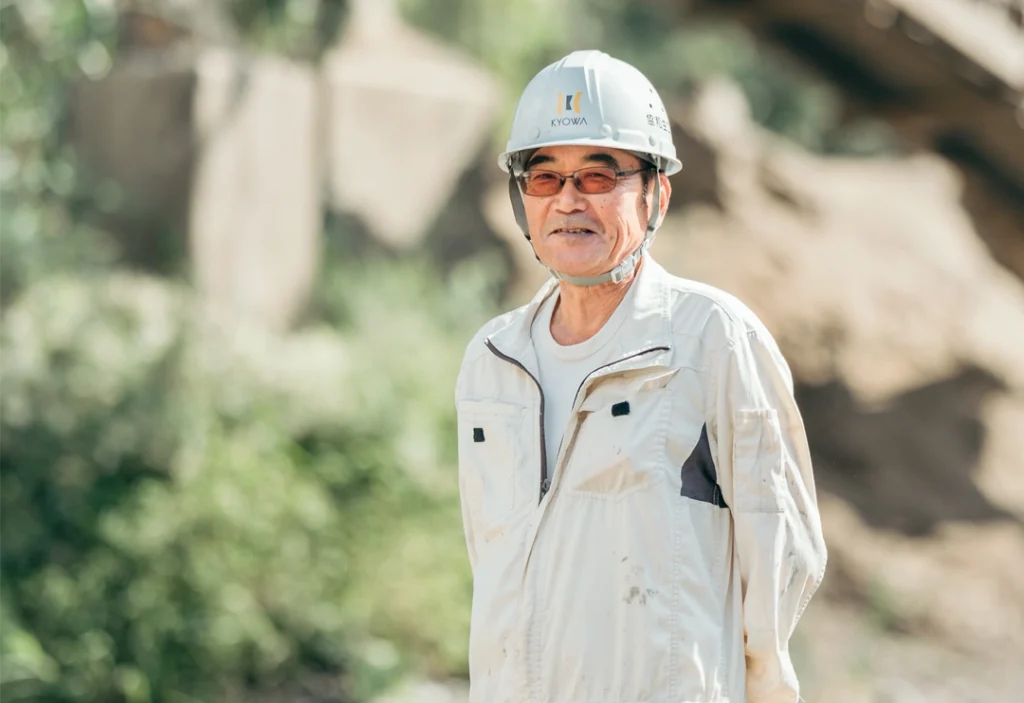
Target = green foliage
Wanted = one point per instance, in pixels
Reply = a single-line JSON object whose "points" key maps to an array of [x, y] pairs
{"points": [[43, 46], [300, 28], [201, 512]]}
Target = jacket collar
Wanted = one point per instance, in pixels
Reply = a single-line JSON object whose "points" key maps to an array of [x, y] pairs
{"points": [[647, 325]]}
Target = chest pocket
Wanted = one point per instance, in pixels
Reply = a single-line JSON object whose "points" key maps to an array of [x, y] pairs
{"points": [[620, 445], [490, 448]]}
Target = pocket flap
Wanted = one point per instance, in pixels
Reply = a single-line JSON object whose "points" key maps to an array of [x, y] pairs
{"points": [[619, 389], [488, 408]]}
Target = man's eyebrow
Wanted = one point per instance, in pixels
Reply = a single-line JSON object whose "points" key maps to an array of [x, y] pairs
{"points": [[604, 158], [600, 157], [539, 159]]}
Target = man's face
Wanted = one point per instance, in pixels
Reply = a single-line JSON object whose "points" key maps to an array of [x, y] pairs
{"points": [[583, 234]]}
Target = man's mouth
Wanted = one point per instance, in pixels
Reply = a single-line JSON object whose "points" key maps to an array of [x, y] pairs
{"points": [[576, 231]]}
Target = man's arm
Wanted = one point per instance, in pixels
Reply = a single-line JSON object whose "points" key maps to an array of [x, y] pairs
{"points": [[767, 480], [467, 519], [465, 497]]}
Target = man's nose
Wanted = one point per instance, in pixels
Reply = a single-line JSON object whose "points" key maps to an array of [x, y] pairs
{"points": [[569, 198]]}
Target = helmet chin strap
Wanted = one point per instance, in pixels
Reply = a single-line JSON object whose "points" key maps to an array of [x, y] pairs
{"points": [[617, 274]]}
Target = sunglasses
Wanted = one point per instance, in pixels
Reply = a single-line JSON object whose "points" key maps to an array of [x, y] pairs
{"points": [[592, 180]]}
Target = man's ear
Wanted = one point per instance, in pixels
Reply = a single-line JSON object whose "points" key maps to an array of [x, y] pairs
{"points": [[666, 195]]}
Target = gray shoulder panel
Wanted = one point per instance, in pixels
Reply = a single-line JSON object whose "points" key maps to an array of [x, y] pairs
{"points": [[699, 477]]}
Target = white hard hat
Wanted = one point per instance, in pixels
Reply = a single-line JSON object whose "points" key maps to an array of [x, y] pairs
{"points": [[589, 98]]}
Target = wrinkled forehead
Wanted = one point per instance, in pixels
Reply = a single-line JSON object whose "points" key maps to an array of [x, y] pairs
{"points": [[571, 157]]}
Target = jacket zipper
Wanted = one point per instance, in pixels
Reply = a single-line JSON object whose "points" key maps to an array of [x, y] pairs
{"points": [[545, 481], [613, 363], [601, 368]]}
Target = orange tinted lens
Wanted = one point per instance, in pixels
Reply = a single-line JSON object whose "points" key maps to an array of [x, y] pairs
{"points": [[541, 183], [595, 180]]}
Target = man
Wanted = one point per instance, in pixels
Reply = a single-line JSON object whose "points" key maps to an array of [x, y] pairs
{"points": [[637, 494]]}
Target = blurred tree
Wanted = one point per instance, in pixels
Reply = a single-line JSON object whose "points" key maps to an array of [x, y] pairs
{"points": [[182, 522], [298, 28], [45, 198], [211, 514]]}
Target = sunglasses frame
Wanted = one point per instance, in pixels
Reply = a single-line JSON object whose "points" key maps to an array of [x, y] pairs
{"points": [[562, 178]]}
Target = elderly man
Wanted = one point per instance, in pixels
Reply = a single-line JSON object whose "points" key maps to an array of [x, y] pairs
{"points": [[637, 493]]}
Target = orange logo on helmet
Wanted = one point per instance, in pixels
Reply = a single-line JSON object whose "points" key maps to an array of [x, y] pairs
{"points": [[569, 102]]}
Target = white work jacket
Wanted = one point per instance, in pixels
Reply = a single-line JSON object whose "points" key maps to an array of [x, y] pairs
{"points": [[669, 552]]}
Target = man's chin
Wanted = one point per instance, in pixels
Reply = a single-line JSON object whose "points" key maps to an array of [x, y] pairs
{"points": [[579, 269]]}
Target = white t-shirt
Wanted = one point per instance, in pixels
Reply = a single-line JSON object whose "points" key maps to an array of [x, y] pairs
{"points": [[563, 368]]}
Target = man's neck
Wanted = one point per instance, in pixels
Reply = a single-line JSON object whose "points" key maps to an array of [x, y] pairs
{"points": [[581, 311]]}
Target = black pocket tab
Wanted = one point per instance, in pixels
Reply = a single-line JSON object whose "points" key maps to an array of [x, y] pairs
{"points": [[478, 434], [620, 409]]}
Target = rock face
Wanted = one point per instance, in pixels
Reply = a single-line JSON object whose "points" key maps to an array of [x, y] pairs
{"points": [[947, 75], [228, 155], [906, 341], [406, 117], [255, 217], [218, 155]]}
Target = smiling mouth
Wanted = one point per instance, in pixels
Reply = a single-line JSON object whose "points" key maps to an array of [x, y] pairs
{"points": [[574, 231]]}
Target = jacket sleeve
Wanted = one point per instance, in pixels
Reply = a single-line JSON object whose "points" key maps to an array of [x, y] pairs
{"points": [[767, 480], [467, 520], [465, 495]]}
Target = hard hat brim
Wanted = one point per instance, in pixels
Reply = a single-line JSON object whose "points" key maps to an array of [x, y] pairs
{"points": [[671, 164]]}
